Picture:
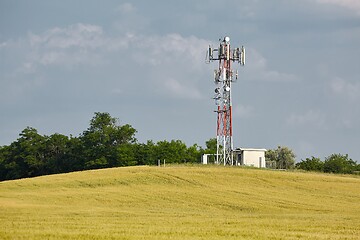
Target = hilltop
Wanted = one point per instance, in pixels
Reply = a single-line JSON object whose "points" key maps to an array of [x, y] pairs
{"points": [[181, 202]]}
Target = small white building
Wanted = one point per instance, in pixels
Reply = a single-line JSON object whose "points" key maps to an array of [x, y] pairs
{"points": [[208, 158], [253, 157]]}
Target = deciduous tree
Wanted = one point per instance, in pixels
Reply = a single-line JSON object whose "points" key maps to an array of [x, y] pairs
{"points": [[102, 140], [211, 146], [283, 157], [311, 164], [337, 163]]}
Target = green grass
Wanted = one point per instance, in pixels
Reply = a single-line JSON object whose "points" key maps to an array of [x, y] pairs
{"points": [[181, 202]]}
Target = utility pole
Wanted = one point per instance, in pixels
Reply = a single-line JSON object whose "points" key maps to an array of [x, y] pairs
{"points": [[223, 77]]}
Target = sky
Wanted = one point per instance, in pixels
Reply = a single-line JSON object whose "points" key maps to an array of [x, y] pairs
{"points": [[144, 63]]}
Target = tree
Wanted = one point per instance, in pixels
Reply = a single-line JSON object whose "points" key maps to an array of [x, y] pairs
{"points": [[102, 140], [3, 168], [311, 164], [25, 157], [57, 153], [211, 146], [172, 152], [145, 153], [75, 157], [282, 157], [29, 153], [193, 154], [271, 158], [127, 155], [357, 168], [337, 163]]}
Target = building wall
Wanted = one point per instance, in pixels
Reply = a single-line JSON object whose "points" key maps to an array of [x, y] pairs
{"points": [[246, 156], [253, 158]]}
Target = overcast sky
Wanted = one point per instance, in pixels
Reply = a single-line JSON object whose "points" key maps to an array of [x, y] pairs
{"points": [[144, 63]]}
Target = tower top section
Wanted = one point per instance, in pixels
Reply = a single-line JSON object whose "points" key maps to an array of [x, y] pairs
{"points": [[224, 52]]}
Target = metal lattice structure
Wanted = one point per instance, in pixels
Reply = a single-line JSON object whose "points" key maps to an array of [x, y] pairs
{"points": [[223, 77]]}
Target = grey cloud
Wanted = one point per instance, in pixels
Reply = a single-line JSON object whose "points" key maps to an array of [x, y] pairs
{"points": [[347, 90], [353, 5]]}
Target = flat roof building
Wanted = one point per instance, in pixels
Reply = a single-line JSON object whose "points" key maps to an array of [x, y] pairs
{"points": [[254, 157]]}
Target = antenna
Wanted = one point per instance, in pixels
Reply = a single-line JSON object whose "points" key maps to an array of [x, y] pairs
{"points": [[223, 77]]}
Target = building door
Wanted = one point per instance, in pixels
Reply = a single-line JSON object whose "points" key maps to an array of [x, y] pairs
{"points": [[260, 162]]}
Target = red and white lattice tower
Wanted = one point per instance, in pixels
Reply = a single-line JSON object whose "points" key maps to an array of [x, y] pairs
{"points": [[223, 78]]}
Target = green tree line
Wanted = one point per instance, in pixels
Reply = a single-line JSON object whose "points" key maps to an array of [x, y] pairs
{"points": [[284, 158], [104, 144], [335, 163]]}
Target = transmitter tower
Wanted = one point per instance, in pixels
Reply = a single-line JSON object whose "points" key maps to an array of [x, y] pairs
{"points": [[223, 78]]}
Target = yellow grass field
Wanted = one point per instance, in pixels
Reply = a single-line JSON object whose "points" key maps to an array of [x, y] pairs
{"points": [[181, 202]]}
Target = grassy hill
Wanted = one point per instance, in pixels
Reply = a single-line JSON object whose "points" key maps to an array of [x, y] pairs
{"points": [[181, 202]]}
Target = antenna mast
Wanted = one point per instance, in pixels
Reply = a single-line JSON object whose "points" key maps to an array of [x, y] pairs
{"points": [[223, 77]]}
